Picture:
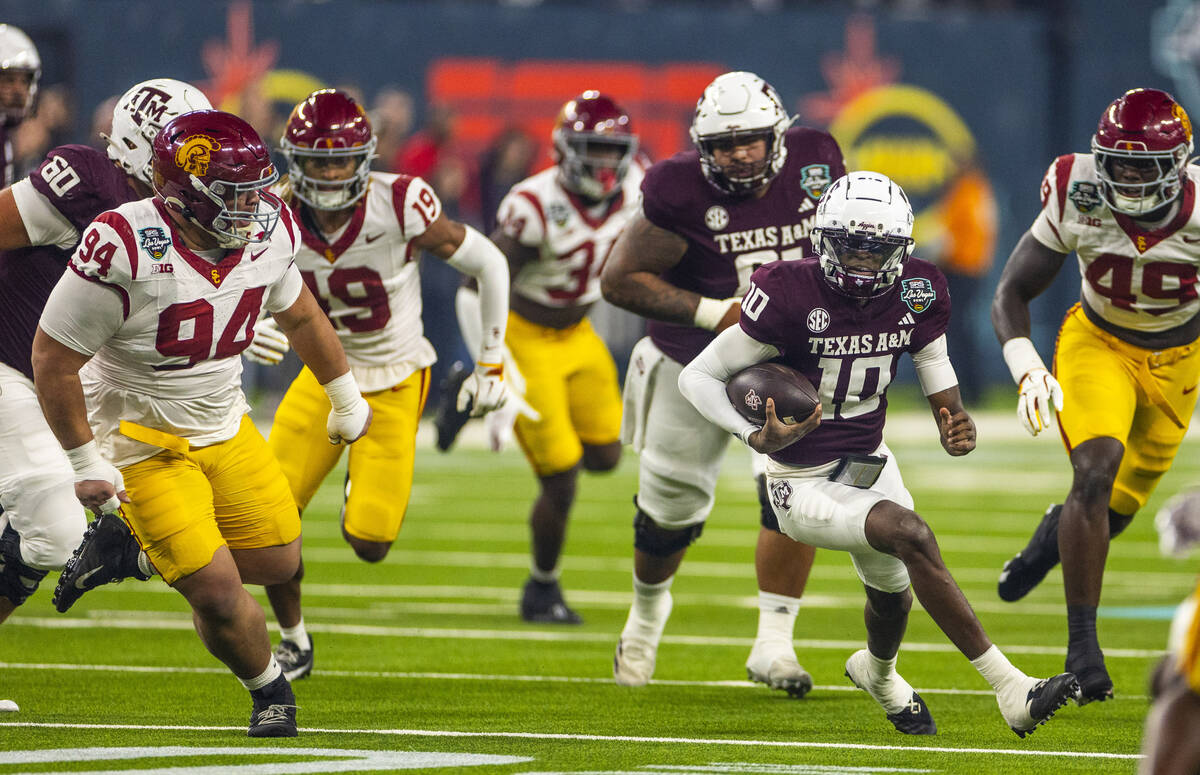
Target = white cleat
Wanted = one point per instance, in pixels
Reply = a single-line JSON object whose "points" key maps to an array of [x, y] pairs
{"points": [[1030, 702], [778, 668], [912, 716], [633, 664]]}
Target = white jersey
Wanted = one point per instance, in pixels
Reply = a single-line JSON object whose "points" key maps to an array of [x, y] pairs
{"points": [[366, 278], [167, 335], [1135, 279], [572, 241]]}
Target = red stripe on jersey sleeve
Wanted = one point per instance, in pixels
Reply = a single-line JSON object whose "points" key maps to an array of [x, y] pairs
{"points": [[1062, 176], [399, 193], [117, 223], [533, 200], [285, 215]]}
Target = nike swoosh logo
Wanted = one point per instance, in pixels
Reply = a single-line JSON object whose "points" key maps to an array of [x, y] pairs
{"points": [[372, 237], [1190, 240], [253, 256], [79, 581], [1189, 390]]}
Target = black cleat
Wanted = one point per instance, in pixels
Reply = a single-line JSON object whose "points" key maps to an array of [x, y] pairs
{"points": [[295, 662], [449, 421], [107, 553], [913, 719], [1030, 565], [17, 580], [1041, 702], [274, 713], [1094, 682], [543, 603]]}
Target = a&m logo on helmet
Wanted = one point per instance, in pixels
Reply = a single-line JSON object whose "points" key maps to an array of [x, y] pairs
{"points": [[917, 293], [149, 104], [195, 154]]}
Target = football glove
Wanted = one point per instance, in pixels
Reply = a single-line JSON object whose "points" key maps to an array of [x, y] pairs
{"points": [[269, 344], [484, 390], [1039, 390], [347, 426], [99, 485], [1178, 523]]}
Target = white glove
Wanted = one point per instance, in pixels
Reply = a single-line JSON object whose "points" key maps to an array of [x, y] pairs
{"points": [[351, 414], [1039, 389], [500, 422], [269, 344], [1178, 523], [93, 477], [484, 390]]}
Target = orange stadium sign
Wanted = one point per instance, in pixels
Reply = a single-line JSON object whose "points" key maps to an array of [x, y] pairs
{"points": [[488, 96]]}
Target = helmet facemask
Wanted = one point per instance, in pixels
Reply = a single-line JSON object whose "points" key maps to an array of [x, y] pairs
{"points": [[245, 217], [593, 164], [1137, 182], [860, 265], [19, 56], [319, 192]]}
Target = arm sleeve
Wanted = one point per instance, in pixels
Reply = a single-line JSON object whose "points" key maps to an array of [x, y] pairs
{"points": [[44, 224], [934, 369], [81, 314], [478, 257], [284, 292], [702, 381]]}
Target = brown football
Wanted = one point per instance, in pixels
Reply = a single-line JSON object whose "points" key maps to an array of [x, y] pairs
{"points": [[748, 391]]}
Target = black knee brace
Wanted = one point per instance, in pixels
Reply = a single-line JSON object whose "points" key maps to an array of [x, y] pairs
{"points": [[658, 541], [17, 580], [766, 512]]}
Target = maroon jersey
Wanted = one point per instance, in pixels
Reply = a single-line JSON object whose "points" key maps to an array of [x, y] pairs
{"points": [[80, 182], [850, 352], [729, 237]]}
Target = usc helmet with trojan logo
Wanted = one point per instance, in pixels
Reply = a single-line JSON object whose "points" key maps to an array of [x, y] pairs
{"points": [[1145, 130], [206, 165]]}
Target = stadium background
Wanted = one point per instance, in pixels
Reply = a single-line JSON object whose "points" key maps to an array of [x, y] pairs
{"points": [[963, 103]]}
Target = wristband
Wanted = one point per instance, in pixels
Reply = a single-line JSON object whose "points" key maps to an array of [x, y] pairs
{"points": [[87, 463], [343, 392], [709, 312], [1021, 357], [747, 433]]}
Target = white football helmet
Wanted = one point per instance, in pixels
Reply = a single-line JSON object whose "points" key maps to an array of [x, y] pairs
{"points": [[18, 53], [140, 113], [735, 107], [863, 233]]}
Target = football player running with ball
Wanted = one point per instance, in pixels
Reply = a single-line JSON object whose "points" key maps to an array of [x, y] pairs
{"points": [[744, 197], [843, 320], [1127, 361], [361, 235], [160, 301]]}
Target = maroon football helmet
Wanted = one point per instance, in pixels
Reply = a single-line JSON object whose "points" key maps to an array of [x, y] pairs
{"points": [[594, 145], [1141, 150], [210, 166], [328, 126]]}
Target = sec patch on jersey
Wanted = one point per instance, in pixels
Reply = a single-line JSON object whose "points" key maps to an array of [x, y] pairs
{"points": [[748, 391]]}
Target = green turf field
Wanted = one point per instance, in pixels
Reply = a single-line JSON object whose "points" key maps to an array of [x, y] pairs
{"points": [[422, 662]]}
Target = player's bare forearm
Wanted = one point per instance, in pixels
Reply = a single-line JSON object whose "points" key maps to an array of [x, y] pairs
{"points": [[1029, 271], [13, 233], [313, 338], [955, 427], [56, 376], [650, 296], [631, 275]]}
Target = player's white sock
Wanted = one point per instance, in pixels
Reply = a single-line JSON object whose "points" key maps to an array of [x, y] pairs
{"points": [[776, 617], [892, 691], [650, 610], [297, 635], [996, 669], [265, 677]]}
